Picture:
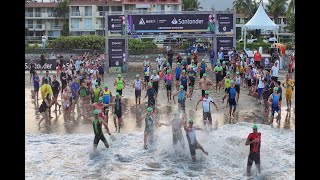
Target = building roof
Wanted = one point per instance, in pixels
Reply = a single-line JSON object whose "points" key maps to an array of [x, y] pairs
{"points": [[95, 2], [152, 2], [40, 4]]}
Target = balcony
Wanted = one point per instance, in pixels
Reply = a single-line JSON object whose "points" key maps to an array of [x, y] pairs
{"points": [[28, 14], [75, 14], [88, 14], [55, 27], [35, 27], [100, 13]]}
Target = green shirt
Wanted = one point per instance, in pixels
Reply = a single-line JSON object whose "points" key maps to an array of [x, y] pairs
{"points": [[97, 128]]}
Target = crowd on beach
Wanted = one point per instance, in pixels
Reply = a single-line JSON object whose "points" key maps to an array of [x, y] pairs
{"points": [[81, 85]]}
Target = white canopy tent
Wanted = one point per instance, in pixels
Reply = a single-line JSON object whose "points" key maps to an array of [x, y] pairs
{"points": [[260, 20]]}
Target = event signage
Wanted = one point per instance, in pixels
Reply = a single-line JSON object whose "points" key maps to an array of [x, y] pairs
{"points": [[225, 44], [50, 64], [117, 52], [225, 23], [171, 24], [116, 25]]}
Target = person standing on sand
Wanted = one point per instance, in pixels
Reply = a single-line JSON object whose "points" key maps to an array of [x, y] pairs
{"points": [[178, 73], [155, 80], [97, 129], [254, 140], [152, 95], [55, 89], [192, 140], [36, 85], [168, 81], [288, 84], [231, 94], [218, 73], [274, 101]]}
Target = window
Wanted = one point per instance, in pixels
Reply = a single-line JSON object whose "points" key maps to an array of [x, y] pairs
{"points": [[88, 11], [88, 23], [103, 8], [279, 21], [50, 12], [38, 12], [116, 8], [75, 11], [75, 23], [160, 7], [129, 7], [174, 7], [284, 20]]}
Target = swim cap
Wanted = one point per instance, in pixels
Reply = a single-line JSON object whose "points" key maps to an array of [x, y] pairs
{"points": [[137, 75], [95, 112], [184, 57], [147, 56], [178, 63], [223, 62], [159, 54], [232, 81], [154, 71], [275, 89], [100, 98], [181, 87], [190, 120], [149, 83], [204, 75], [168, 64], [202, 60], [228, 72], [206, 92], [146, 73], [168, 71], [188, 54], [255, 126], [237, 72], [149, 109], [97, 84], [106, 86], [192, 60], [117, 94], [183, 71], [119, 75]]}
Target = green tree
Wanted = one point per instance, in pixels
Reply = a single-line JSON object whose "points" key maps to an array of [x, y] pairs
{"points": [[62, 9], [291, 24], [276, 8], [239, 6], [65, 29], [247, 7], [191, 5]]}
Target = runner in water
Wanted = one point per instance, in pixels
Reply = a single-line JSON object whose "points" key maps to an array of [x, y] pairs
{"points": [[178, 73], [184, 80], [206, 100], [254, 140], [204, 84], [155, 80], [106, 99], [288, 84], [146, 72], [231, 95], [168, 79], [97, 129], [218, 73], [120, 84], [118, 112], [138, 87], [152, 95], [149, 128], [237, 80], [274, 102], [202, 67], [182, 95], [192, 140]]}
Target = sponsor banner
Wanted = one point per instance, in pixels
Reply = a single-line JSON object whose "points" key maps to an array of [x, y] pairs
{"points": [[225, 23], [117, 52], [116, 25], [156, 24], [225, 44], [50, 64]]}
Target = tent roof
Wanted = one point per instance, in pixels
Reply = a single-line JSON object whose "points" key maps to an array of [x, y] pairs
{"points": [[260, 20]]}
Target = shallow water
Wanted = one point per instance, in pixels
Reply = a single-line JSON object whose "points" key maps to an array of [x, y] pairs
{"points": [[62, 148]]}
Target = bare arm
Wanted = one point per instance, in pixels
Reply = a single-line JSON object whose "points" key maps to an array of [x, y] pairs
{"points": [[198, 104], [105, 125], [174, 95], [248, 142]]}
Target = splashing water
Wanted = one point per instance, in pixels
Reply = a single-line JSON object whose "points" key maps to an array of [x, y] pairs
{"points": [[70, 156]]}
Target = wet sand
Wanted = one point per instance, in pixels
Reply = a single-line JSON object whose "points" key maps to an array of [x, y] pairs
{"points": [[248, 109]]}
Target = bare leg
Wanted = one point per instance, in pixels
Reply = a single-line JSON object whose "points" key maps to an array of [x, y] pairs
{"points": [[43, 118], [201, 148], [145, 138]]}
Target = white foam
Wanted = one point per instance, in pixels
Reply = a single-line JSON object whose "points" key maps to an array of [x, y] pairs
{"points": [[70, 156]]}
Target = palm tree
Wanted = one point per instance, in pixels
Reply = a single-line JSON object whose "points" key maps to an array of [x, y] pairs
{"points": [[239, 6], [276, 8], [191, 5]]}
